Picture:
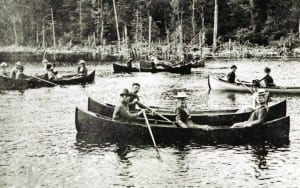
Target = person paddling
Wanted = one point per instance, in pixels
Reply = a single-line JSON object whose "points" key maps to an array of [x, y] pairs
{"points": [[134, 98], [230, 77], [3, 72], [121, 111], [13, 73], [20, 73], [50, 75], [267, 80], [259, 115], [82, 69]]}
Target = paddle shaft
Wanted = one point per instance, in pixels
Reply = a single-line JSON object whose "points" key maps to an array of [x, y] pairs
{"points": [[160, 115], [46, 81], [151, 134], [247, 87]]}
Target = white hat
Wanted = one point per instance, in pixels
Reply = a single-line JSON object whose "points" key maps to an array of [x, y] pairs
{"points": [[45, 61], [261, 92], [3, 64], [19, 64], [81, 61], [181, 95]]}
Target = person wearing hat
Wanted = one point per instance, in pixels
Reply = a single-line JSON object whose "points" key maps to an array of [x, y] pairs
{"points": [[231, 75], [82, 69], [259, 114], [3, 72], [267, 80], [121, 111], [13, 73]]}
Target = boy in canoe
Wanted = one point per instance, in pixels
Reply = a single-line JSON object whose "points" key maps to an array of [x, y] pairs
{"points": [[258, 116], [82, 69], [121, 111], [267, 80], [230, 77], [3, 72]]}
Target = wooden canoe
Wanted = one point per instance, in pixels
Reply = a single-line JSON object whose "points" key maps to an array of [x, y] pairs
{"points": [[185, 69], [214, 117], [114, 131], [220, 84], [145, 66], [12, 84]]}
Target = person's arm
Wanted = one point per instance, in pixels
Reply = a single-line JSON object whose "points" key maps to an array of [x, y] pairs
{"points": [[260, 119], [125, 113]]}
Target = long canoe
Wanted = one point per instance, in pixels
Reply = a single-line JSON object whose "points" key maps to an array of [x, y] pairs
{"points": [[114, 131], [220, 84], [184, 69], [145, 66], [12, 84], [214, 117]]}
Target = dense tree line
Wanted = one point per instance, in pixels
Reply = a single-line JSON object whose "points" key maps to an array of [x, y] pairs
{"points": [[26, 22]]}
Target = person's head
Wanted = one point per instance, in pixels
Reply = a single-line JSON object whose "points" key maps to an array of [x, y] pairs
{"points": [[3, 65], [48, 66], [18, 64], [181, 96], [20, 68], [267, 70], [233, 68], [82, 63], [261, 97], [125, 95], [136, 88]]}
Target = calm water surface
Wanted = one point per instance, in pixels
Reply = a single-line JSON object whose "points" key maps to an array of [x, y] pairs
{"points": [[39, 147]]}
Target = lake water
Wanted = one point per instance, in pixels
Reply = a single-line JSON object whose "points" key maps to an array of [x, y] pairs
{"points": [[39, 145]]}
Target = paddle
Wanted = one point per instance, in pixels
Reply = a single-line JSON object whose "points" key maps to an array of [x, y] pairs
{"points": [[150, 131], [47, 81], [251, 91], [160, 115]]}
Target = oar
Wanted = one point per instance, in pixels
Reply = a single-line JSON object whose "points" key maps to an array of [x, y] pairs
{"points": [[251, 91], [160, 115], [47, 81], [150, 131]]}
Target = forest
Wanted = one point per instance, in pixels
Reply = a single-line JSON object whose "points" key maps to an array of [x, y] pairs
{"points": [[48, 23]]}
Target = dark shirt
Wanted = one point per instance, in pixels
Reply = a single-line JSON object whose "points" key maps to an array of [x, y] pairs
{"points": [[121, 113], [82, 71], [132, 106], [259, 115], [231, 77], [13, 74], [182, 115], [268, 81]]}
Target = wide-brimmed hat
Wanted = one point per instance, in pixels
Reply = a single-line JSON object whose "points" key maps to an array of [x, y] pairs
{"points": [[267, 69], [125, 92], [180, 95], [233, 67], [19, 65], [3, 64], [136, 84], [81, 61], [261, 92]]}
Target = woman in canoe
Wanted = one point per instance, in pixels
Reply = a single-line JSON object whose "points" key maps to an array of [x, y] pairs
{"points": [[3, 72], [267, 80], [121, 111], [258, 116], [82, 70]]}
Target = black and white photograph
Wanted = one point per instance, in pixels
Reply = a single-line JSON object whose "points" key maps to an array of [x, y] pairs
{"points": [[149, 93]]}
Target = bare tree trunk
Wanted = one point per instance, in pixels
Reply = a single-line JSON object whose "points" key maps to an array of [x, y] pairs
{"points": [[203, 26], [215, 35], [117, 25], [299, 27], [149, 35], [53, 30], [126, 38], [193, 17], [200, 43], [252, 15], [180, 40], [137, 26], [102, 31], [37, 36], [80, 18], [15, 30], [43, 36]]}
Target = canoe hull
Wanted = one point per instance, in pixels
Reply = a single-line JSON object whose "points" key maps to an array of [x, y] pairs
{"points": [[88, 122], [217, 117], [123, 69], [218, 84]]}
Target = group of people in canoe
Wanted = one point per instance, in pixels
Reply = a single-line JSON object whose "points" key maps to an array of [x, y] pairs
{"points": [[50, 71], [266, 81], [126, 111]]}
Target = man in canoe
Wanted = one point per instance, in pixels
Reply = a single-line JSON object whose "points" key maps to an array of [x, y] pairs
{"points": [[121, 111], [134, 98], [82, 69], [13, 73], [267, 80], [258, 116], [230, 77], [20, 73], [3, 72], [50, 75]]}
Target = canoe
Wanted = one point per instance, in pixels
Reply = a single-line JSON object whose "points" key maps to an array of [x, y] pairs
{"points": [[185, 69], [220, 84], [114, 131], [12, 84], [213, 117], [145, 66]]}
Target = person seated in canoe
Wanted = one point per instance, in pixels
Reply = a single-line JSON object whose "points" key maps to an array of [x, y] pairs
{"points": [[3, 72], [230, 77], [134, 98], [129, 62], [267, 80], [20, 74], [183, 114], [50, 75], [259, 114], [13, 73], [82, 69], [254, 101], [156, 62], [121, 111]]}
